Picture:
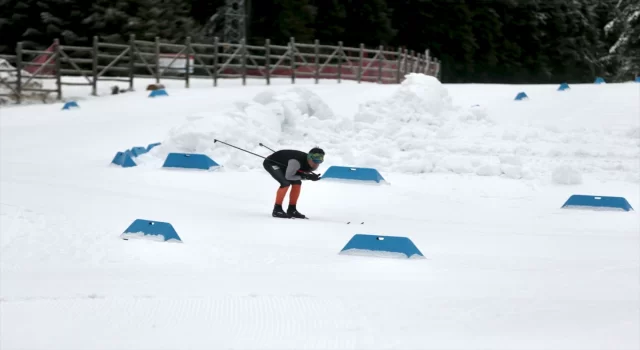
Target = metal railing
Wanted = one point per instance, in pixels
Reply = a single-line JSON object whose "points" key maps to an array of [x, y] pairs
{"points": [[217, 60]]}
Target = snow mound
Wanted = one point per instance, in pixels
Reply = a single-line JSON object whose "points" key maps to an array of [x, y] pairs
{"points": [[420, 99], [566, 175], [391, 135], [296, 118], [634, 133], [415, 129]]}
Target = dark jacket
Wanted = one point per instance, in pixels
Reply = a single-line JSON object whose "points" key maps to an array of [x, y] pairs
{"points": [[290, 161]]}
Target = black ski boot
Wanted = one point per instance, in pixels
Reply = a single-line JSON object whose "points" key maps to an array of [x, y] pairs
{"points": [[278, 212], [294, 213]]}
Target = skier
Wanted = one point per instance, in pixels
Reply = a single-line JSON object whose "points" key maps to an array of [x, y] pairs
{"points": [[289, 168]]}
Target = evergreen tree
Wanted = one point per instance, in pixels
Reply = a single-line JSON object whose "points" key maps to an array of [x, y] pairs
{"points": [[445, 28], [625, 52], [202, 10], [279, 20], [570, 41], [16, 18], [113, 20], [523, 58], [367, 22], [330, 20], [487, 29], [166, 19], [500, 41], [38, 23]]}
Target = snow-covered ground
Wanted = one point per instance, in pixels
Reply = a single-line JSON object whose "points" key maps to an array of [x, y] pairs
{"points": [[476, 181]]}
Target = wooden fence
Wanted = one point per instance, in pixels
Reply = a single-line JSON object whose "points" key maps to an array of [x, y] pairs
{"points": [[217, 60]]}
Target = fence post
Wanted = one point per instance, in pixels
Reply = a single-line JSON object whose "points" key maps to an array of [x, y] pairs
{"points": [[132, 59], [215, 61], [188, 63], [412, 54], [58, 65], [360, 63], [399, 63], [94, 68], [406, 62], [267, 60], [428, 64], [19, 72], [317, 54], [157, 60], [292, 45], [340, 57], [380, 57], [243, 60]]}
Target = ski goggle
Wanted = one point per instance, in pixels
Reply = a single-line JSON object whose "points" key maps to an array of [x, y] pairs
{"points": [[316, 157]]}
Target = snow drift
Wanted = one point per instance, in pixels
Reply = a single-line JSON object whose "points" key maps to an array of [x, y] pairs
{"points": [[416, 129]]}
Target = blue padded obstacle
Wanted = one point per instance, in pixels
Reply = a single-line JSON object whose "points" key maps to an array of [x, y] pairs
{"points": [[136, 151], [124, 159], [563, 86], [597, 202], [521, 96], [152, 145], [382, 246], [69, 105], [156, 93], [355, 174], [189, 161], [638, 79], [153, 230], [599, 80]]}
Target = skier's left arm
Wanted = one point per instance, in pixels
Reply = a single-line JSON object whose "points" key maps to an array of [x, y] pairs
{"points": [[292, 169]]}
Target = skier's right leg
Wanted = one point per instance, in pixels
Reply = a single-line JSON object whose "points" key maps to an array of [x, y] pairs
{"points": [[278, 174]]}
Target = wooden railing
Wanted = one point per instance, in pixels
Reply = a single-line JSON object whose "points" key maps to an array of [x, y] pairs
{"points": [[217, 60]]}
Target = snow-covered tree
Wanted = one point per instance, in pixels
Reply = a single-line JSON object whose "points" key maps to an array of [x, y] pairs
{"points": [[624, 54]]}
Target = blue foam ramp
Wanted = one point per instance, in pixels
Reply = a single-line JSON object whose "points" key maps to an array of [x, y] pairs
{"points": [[381, 246], [152, 145], [124, 159], [152, 230], [70, 104], [353, 174], [521, 96], [563, 86], [136, 151], [599, 80], [597, 202], [157, 93], [189, 161]]}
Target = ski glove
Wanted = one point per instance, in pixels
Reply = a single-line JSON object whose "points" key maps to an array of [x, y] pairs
{"points": [[313, 177]]}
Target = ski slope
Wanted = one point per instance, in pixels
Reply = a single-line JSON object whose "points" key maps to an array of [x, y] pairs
{"points": [[476, 181]]}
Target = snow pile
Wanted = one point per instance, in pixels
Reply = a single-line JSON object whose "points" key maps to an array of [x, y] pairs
{"points": [[296, 118], [416, 128], [566, 175], [393, 134], [420, 99]]}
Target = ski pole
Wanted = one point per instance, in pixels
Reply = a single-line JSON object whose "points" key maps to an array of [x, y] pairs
{"points": [[215, 140], [244, 150], [261, 144]]}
